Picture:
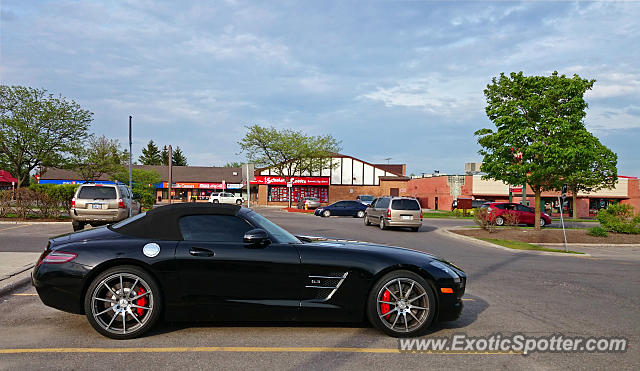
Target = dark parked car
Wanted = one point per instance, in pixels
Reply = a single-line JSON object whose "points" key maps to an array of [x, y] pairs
{"points": [[524, 214], [342, 208], [224, 262]]}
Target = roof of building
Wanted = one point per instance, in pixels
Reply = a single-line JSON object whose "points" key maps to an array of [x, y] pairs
{"points": [[6, 177], [205, 174]]}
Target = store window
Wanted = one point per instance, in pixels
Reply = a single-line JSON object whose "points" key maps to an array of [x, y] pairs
{"points": [[281, 193]]}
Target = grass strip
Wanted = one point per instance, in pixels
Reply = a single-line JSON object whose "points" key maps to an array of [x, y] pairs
{"points": [[517, 245]]}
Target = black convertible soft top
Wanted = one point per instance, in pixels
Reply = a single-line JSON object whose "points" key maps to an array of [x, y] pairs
{"points": [[161, 223]]}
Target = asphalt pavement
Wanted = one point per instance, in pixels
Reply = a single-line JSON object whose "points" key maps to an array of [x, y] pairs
{"points": [[508, 292]]}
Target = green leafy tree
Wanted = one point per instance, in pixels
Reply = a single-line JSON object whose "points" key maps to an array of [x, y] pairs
{"points": [[38, 129], [143, 183], [101, 156], [164, 156], [537, 119], [178, 158], [288, 152], [590, 166], [150, 155], [233, 164]]}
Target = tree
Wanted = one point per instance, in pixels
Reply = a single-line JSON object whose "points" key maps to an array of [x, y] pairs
{"points": [[143, 183], [178, 158], [233, 164], [101, 156], [164, 156], [150, 155], [38, 129], [537, 119], [590, 166], [288, 152]]}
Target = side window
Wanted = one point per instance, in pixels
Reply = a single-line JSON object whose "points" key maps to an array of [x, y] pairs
{"points": [[373, 203], [383, 203], [526, 209], [213, 228], [340, 204]]}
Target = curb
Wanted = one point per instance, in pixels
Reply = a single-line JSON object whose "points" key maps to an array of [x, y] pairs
{"points": [[16, 281], [448, 233], [33, 222]]}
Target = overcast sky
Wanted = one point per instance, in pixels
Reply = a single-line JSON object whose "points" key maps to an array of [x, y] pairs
{"points": [[398, 79]]}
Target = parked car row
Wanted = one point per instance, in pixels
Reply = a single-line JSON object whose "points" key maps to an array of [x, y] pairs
{"points": [[522, 214]]}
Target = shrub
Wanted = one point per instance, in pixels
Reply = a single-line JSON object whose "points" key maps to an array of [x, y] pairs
{"points": [[484, 219], [25, 200], [511, 219], [598, 232], [619, 218], [5, 203]]}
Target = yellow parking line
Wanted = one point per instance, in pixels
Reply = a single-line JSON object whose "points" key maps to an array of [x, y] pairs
{"points": [[232, 349], [17, 226], [25, 294], [465, 299]]}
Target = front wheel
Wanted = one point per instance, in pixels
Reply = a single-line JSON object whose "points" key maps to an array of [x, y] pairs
{"points": [[326, 213], [216, 201], [499, 221], [402, 304], [238, 202], [123, 302], [367, 222], [542, 223], [360, 214]]}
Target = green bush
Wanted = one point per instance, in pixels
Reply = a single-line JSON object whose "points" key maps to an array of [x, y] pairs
{"points": [[598, 232], [619, 218], [5, 203]]}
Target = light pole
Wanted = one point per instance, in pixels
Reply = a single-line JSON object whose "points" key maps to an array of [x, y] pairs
{"points": [[170, 175], [130, 189]]}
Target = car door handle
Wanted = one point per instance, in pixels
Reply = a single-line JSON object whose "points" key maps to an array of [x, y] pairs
{"points": [[198, 251]]}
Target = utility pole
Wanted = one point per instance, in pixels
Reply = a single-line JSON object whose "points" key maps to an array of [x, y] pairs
{"points": [[170, 177], [130, 154], [248, 187]]}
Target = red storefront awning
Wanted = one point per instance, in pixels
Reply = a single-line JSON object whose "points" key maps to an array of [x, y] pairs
{"points": [[5, 177]]}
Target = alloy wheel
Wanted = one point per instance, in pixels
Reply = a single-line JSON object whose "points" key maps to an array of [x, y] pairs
{"points": [[122, 303], [403, 305]]}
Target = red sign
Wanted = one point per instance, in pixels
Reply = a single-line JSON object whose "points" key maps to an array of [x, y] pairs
{"points": [[516, 189], [195, 185], [282, 180]]}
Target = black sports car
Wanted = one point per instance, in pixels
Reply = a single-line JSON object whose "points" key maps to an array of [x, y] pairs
{"points": [[223, 262], [342, 208]]}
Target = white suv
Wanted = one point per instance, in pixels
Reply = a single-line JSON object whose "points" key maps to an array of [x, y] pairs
{"points": [[225, 198]]}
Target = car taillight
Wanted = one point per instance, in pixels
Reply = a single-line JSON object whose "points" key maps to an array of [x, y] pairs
{"points": [[121, 204], [73, 202], [388, 213], [55, 257]]}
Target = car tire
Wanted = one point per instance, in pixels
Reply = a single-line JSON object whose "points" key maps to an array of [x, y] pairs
{"points": [[326, 213], [402, 304], [382, 224], [360, 214], [499, 221], [367, 222], [415, 229], [542, 223], [238, 202], [77, 226], [216, 201], [106, 294]]}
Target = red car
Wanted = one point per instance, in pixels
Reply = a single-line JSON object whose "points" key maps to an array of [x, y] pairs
{"points": [[525, 214]]}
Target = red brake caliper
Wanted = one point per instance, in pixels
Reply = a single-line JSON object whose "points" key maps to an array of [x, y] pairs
{"points": [[384, 308], [141, 302]]}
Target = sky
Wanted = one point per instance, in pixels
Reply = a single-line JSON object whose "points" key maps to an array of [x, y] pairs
{"points": [[390, 79]]}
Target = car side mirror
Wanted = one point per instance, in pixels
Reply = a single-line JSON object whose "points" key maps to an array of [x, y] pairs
{"points": [[256, 237]]}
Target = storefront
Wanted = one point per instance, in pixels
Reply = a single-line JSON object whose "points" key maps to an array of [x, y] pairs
{"points": [[194, 192], [277, 190]]}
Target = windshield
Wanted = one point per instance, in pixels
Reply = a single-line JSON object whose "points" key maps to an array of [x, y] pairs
{"points": [[128, 220], [405, 204], [366, 198], [276, 231]]}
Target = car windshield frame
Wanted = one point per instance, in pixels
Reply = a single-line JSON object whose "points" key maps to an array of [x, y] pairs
{"points": [[402, 204], [122, 223], [280, 234], [93, 190]]}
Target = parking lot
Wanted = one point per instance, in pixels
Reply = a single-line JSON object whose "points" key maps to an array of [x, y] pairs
{"points": [[508, 292]]}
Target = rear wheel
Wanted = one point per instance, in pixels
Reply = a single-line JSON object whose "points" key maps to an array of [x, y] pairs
{"points": [[77, 226], [415, 229], [238, 202], [542, 223], [216, 201], [499, 221], [360, 214], [383, 224], [123, 302], [402, 304]]}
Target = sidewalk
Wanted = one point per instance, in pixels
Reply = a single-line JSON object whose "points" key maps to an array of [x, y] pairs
{"points": [[15, 270]]}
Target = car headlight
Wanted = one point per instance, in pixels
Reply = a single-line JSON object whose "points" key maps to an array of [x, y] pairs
{"points": [[445, 268]]}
